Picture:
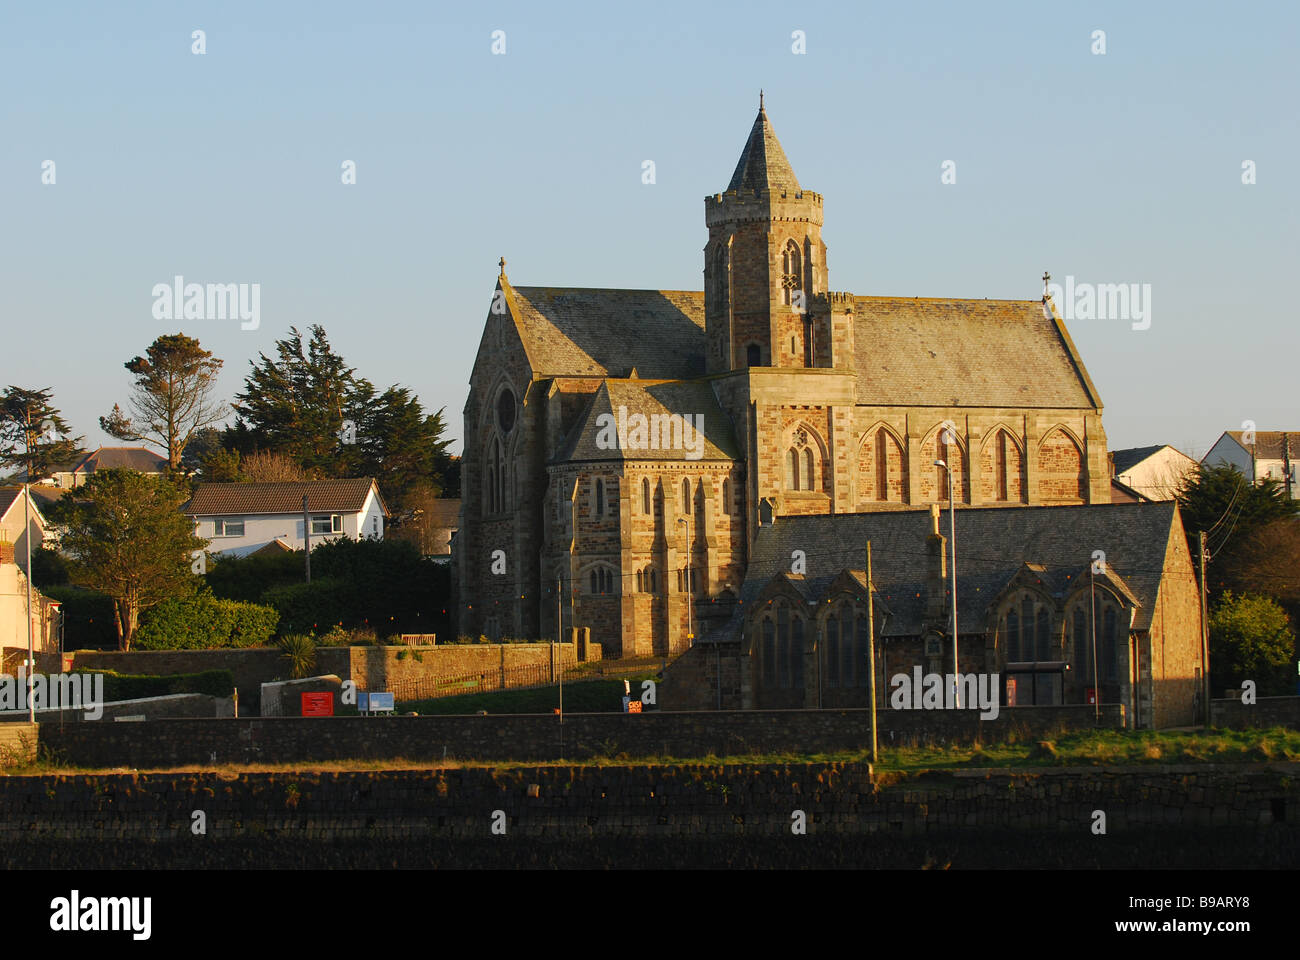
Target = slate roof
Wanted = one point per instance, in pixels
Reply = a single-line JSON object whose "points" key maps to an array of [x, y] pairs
{"points": [[140, 459], [993, 544], [1268, 443], [575, 332], [1131, 457], [763, 165], [13, 495], [976, 353], [239, 499], [684, 398]]}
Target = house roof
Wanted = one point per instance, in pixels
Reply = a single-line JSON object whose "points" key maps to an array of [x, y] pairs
{"points": [[656, 398], [763, 165], [1129, 458], [975, 353], [444, 514], [237, 499], [11, 496], [578, 332], [1121, 492], [139, 459], [994, 544], [1268, 443]]}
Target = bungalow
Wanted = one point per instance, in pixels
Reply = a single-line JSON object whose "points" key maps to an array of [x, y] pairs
{"points": [[1153, 473], [139, 459], [243, 518]]}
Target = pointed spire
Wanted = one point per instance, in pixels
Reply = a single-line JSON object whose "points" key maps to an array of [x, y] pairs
{"points": [[763, 165]]}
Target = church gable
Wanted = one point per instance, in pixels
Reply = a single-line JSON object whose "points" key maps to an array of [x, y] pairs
{"points": [[635, 420], [607, 333]]}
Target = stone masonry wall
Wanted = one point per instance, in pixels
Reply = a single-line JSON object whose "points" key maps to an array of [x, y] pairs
{"points": [[164, 743], [1265, 712]]}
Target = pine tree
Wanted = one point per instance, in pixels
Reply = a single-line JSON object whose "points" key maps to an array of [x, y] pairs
{"points": [[33, 434]]}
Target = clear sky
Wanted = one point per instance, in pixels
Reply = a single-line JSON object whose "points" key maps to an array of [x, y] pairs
{"points": [[1124, 167]]}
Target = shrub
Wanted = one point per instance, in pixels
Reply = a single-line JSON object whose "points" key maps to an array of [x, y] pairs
{"points": [[1251, 639], [123, 686], [299, 653], [248, 578], [88, 622], [205, 622], [305, 607]]}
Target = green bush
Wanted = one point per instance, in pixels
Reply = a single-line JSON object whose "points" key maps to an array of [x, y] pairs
{"points": [[205, 622], [308, 607], [299, 654], [248, 578], [88, 619], [124, 686]]}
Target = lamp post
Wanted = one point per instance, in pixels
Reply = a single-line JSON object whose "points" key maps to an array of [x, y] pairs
{"points": [[690, 593], [952, 530]]}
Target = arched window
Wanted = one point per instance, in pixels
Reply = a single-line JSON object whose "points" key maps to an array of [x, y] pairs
{"points": [[864, 649], [1083, 646], [796, 653], [686, 497], [783, 646], [595, 582], [1042, 635], [882, 465], [1111, 643], [652, 584], [792, 469], [1000, 466], [496, 485], [753, 355], [1011, 631], [645, 495], [598, 501], [726, 495], [808, 468], [848, 663], [832, 654], [767, 656], [1027, 627], [791, 271]]}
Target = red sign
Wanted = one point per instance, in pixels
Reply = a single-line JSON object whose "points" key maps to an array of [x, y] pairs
{"points": [[1011, 691], [1092, 695], [318, 704], [634, 706]]}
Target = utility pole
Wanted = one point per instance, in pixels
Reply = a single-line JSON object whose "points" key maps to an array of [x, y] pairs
{"points": [[306, 536], [871, 656], [27, 528], [1286, 463], [1205, 640], [1092, 620]]}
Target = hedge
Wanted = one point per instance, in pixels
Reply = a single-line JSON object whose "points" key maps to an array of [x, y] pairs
{"points": [[310, 607], [88, 619], [124, 686], [205, 622]]}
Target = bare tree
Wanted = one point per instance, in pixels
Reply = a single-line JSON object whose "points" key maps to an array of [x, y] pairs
{"points": [[270, 465], [171, 399]]}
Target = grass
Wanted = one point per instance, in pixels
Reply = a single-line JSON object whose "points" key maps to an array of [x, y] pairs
{"points": [[583, 696]]}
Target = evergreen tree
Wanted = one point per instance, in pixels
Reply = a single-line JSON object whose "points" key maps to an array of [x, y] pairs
{"points": [[33, 435]]}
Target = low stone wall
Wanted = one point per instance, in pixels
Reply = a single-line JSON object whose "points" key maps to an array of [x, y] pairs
{"points": [[171, 706], [18, 742], [574, 802], [167, 743], [1265, 712], [371, 668]]}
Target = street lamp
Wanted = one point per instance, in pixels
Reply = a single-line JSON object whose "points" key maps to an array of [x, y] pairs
{"points": [[952, 529], [690, 593]]}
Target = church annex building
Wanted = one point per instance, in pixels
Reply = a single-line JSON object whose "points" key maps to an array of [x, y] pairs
{"points": [[642, 463]]}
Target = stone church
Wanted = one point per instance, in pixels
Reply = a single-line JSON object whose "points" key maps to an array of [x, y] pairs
{"points": [[623, 447]]}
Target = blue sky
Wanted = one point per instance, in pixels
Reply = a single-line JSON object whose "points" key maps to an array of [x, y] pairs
{"points": [[1117, 168]]}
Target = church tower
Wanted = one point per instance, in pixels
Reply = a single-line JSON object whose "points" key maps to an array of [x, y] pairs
{"points": [[765, 279]]}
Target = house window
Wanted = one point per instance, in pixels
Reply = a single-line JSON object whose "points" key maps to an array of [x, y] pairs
{"points": [[374, 527], [328, 523], [229, 527]]}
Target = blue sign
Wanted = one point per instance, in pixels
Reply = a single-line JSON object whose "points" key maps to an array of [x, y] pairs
{"points": [[363, 701], [381, 701]]}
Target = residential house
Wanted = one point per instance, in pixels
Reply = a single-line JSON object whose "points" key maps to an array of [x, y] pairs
{"points": [[13, 623], [1154, 473], [1259, 454], [242, 518], [18, 524], [139, 459], [1062, 603]]}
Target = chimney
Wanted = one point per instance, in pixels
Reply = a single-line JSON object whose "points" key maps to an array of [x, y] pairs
{"points": [[936, 552]]}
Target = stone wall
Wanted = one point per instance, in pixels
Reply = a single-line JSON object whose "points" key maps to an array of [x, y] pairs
{"points": [[17, 743], [188, 705], [1266, 712], [372, 668], [165, 743], [566, 803]]}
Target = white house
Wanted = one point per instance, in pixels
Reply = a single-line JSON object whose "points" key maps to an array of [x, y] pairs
{"points": [[139, 459], [1153, 472], [1272, 454], [242, 518], [17, 523]]}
